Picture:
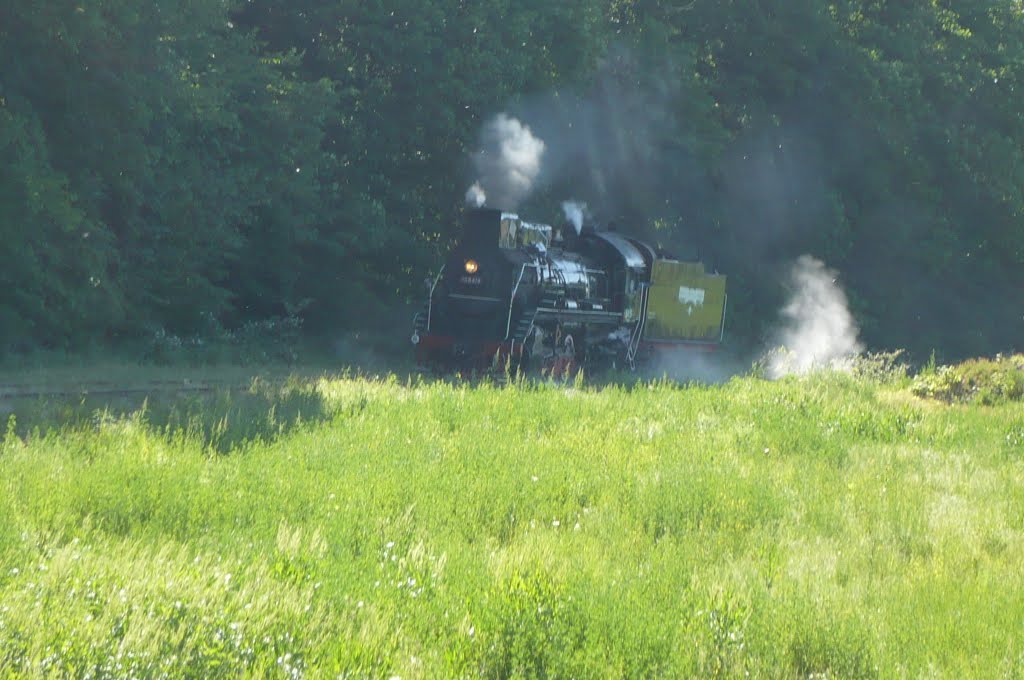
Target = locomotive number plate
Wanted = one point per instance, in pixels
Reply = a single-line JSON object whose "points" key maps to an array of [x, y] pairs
{"points": [[471, 280]]}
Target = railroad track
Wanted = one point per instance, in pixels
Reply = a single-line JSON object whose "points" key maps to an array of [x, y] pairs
{"points": [[30, 391]]}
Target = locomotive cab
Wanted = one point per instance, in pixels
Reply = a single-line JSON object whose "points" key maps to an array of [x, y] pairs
{"points": [[515, 233]]}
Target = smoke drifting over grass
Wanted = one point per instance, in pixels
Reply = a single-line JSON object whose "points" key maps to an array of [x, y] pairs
{"points": [[507, 164], [686, 365], [818, 329]]}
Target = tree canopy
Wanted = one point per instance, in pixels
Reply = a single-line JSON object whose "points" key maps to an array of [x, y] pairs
{"points": [[170, 163]]}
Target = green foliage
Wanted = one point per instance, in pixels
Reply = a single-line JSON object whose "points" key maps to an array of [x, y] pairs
{"points": [[271, 159], [268, 341], [531, 628], [983, 381], [157, 139], [56, 254], [881, 367], [828, 649]]}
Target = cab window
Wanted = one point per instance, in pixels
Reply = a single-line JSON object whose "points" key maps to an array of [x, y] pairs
{"points": [[509, 233]]}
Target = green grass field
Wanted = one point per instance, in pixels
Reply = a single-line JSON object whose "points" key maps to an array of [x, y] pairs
{"points": [[826, 527]]}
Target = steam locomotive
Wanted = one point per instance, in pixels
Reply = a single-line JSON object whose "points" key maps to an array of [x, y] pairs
{"points": [[513, 291]]}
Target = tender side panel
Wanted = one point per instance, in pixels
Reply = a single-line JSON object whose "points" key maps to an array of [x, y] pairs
{"points": [[686, 304]]}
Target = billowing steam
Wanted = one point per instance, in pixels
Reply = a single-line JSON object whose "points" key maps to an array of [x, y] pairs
{"points": [[475, 195], [507, 165], [574, 211], [819, 330]]}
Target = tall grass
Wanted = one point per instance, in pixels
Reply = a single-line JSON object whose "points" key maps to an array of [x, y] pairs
{"points": [[828, 526]]}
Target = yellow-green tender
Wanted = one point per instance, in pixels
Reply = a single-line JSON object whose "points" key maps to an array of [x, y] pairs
{"points": [[685, 304]]}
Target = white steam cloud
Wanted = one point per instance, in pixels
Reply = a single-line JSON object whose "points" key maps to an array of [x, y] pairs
{"points": [[475, 195], [818, 330], [507, 165], [574, 212]]}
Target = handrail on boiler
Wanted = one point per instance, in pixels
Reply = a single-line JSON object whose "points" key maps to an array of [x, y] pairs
{"points": [[430, 300], [512, 300]]}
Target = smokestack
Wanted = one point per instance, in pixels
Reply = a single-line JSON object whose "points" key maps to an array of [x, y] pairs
{"points": [[481, 228]]}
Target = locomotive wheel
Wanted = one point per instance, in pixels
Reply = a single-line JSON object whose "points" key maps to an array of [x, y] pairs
{"points": [[560, 367], [519, 363]]}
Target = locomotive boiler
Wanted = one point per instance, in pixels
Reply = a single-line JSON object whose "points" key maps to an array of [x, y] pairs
{"points": [[557, 298]]}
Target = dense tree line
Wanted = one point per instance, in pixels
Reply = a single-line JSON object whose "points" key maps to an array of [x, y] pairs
{"points": [[173, 164]]}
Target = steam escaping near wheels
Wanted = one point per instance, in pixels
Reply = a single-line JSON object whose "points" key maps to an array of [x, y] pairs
{"points": [[818, 329]]}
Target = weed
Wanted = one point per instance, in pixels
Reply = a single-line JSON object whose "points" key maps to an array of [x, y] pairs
{"points": [[828, 525]]}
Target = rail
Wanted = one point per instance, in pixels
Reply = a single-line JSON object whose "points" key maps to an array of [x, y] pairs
{"points": [[107, 389]]}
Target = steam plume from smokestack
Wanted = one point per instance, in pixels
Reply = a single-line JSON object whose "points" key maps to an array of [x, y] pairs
{"points": [[819, 330], [475, 195], [508, 163], [574, 211]]}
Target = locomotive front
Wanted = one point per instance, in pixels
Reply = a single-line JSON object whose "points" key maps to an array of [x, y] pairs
{"points": [[464, 323]]}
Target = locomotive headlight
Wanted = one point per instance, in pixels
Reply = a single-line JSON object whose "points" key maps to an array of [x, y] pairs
{"points": [[472, 267]]}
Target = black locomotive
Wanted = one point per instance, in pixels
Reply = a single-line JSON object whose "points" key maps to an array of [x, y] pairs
{"points": [[527, 293]]}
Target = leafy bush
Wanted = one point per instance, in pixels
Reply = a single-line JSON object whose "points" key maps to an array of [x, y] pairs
{"points": [[982, 381], [257, 342], [882, 367], [533, 627]]}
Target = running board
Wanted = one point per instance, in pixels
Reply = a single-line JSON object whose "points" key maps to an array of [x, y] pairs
{"points": [[578, 315]]}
